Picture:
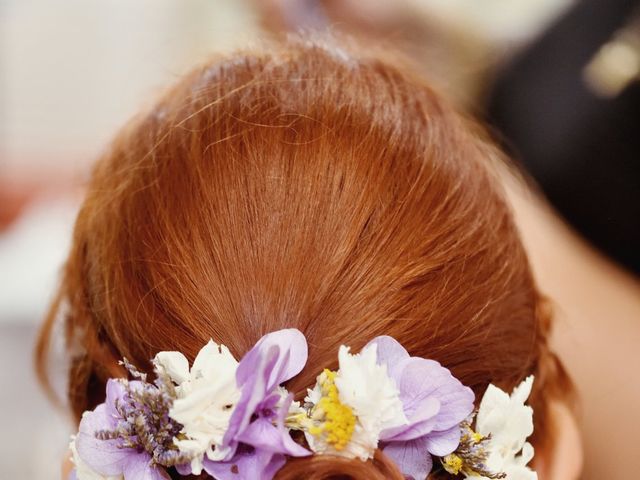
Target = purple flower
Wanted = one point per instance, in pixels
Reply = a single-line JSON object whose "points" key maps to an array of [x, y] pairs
{"points": [[434, 402], [256, 435], [112, 456]]}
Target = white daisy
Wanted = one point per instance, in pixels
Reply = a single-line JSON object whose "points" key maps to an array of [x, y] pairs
{"points": [[353, 405], [207, 396], [509, 422]]}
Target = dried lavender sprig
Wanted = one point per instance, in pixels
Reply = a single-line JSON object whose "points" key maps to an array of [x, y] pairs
{"points": [[144, 422], [133, 371]]}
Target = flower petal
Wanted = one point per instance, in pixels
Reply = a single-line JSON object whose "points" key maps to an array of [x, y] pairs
{"points": [[210, 359], [421, 378], [205, 401], [81, 470], [184, 469], [253, 391], [527, 453], [366, 387], [418, 379], [262, 434], [389, 353], [506, 418], [420, 424], [411, 457], [103, 456], [138, 467], [175, 364], [115, 390], [292, 448], [246, 466], [444, 442], [521, 392], [292, 356]]}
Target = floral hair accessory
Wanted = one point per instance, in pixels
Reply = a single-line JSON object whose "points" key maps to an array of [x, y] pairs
{"points": [[498, 447], [234, 420]]}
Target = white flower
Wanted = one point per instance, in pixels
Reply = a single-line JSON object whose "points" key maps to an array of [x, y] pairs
{"points": [[364, 391], [510, 422], [83, 472], [207, 396]]}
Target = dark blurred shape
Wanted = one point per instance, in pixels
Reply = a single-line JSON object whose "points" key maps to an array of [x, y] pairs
{"points": [[582, 146]]}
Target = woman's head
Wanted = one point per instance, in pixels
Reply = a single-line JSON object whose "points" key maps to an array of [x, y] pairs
{"points": [[302, 187]]}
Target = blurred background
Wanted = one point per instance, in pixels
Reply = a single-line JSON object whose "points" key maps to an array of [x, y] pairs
{"points": [[556, 80]]}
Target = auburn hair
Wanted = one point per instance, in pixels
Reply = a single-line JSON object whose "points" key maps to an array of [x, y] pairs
{"points": [[302, 186]]}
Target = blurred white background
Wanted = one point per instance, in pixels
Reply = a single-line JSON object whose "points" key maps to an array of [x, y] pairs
{"points": [[74, 70]]}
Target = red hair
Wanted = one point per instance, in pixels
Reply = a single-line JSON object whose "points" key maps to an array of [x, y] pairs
{"points": [[302, 187]]}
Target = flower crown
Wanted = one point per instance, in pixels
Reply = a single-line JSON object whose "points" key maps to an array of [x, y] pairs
{"points": [[234, 420]]}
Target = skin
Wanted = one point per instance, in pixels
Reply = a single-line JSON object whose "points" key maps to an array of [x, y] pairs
{"points": [[565, 461], [66, 467]]}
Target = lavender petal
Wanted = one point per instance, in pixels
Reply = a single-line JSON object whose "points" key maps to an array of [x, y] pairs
{"points": [[246, 466], [102, 456], [443, 443], [411, 457], [139, 467], [292, 356], [253, 392], [422, 378], [263, 435], [391, 353], [421, 422]]}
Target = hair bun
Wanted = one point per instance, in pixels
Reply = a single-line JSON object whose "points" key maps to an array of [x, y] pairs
{"points": [[325, 467]]}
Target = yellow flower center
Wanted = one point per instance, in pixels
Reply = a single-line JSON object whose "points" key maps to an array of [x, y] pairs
{"points": [[452, 463], [336, 420]]}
